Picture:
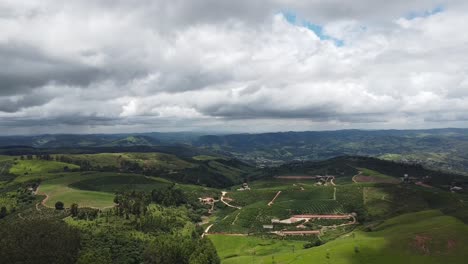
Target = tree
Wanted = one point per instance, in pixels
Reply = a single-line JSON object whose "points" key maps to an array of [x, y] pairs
{"points": [[3, 212], [204, 254], [74, 209], [181, 250], [101, 256], [39, 241], [59, 205]]}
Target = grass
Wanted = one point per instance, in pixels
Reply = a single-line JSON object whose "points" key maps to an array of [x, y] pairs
{"points": [[205, 157], [397, 240], [116, 182], [95, 189], [251, 248], [150, 160], [58, 190], [377, 176], [22, 167], [6, 158]]}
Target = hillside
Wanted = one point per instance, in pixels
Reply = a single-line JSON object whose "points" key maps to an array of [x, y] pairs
{"points": [[128, 205], [423, 237], [441, 149], [437, 148]]}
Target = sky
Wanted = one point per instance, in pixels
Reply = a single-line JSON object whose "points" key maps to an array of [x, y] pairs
{"points": [[121, 66]]}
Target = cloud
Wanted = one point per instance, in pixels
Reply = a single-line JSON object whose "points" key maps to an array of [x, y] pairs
{"points": [[106, 66]]}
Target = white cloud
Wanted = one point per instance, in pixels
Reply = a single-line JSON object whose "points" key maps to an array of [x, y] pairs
{"points": [[196, 67]]}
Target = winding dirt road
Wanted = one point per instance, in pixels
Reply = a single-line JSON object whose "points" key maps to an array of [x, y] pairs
{"points": [[224, 202], [357, 175]]}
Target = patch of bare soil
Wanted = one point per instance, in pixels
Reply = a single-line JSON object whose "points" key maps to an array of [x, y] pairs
{"points": [[421, 244], [362, 178]]}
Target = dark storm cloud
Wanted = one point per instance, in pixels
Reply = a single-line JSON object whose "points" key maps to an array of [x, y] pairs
{"points": [[26, 67], [71, 120], [11, 105]]}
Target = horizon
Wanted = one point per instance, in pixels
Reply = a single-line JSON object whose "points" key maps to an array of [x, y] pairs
{"points": [[214, 133]]}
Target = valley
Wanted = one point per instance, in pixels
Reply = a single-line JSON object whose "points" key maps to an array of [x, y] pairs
{"points": [[338, 210]]}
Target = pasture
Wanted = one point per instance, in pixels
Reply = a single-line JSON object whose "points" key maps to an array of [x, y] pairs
{"points": [[427, 237], [26, 167], [94, 189]]}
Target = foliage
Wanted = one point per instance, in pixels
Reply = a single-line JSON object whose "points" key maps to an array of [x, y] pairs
{"points": [[38, 241], [170, 196], [176, 249], [59, 205]]}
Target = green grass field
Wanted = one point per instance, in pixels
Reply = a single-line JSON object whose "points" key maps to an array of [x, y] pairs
{"points": [[204, 157], [95, 189], [378, 177], [424, 237], [58, 190], [151, 160], [22, 167]]}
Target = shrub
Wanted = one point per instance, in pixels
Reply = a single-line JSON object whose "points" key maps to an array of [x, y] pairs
{"points": [[59, 205]]}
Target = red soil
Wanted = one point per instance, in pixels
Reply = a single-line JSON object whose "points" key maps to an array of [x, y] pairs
{"points": [[295, 177], [362, 178], [312, 232], [423, 185], [322, 216], [421, 243]]}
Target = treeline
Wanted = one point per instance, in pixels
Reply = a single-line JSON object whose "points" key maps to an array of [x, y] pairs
{"points": [[167, 219], [136, 203], [40, 241]]}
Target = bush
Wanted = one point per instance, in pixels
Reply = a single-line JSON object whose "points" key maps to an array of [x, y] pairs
{"points": [[314, 242], [59, 205]]}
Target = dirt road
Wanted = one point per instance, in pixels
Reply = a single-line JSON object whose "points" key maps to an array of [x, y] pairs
{"points": [[206, 230], [357, 175], [224, 202], [274, 198]]}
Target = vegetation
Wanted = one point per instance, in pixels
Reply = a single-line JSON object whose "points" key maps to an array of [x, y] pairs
{"points": [[425, 237], [154, 207], [38, 241]]}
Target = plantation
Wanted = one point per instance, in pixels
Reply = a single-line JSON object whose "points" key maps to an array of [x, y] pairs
{"points": [[395, 241]]}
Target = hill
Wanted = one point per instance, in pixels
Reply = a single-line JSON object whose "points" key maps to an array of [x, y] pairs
{"points": [[444, 149], [422, 237], [437, 148]]}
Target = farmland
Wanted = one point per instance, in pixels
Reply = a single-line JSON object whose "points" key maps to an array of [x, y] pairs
{"points": [[394, 241], [268, 219], [23, 167]]}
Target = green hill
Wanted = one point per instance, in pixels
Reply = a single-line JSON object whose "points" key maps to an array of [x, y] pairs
{"points": [[424, 237]]}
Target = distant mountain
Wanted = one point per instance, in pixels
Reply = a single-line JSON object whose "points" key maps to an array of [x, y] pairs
{"points": [[445, 149], [98, 140]]}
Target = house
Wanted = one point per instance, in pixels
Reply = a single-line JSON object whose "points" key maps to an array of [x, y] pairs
{"points": [[244, 187], [456, 189], [206, 200], [267, 226]]}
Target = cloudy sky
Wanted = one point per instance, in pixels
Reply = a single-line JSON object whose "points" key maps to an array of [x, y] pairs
{"points": [[233, 66]]}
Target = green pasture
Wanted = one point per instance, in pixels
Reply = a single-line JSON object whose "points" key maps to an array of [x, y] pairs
{"points": [[379, 176], [427, 237], [94, 189], [22, 167], [149, 160]]}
